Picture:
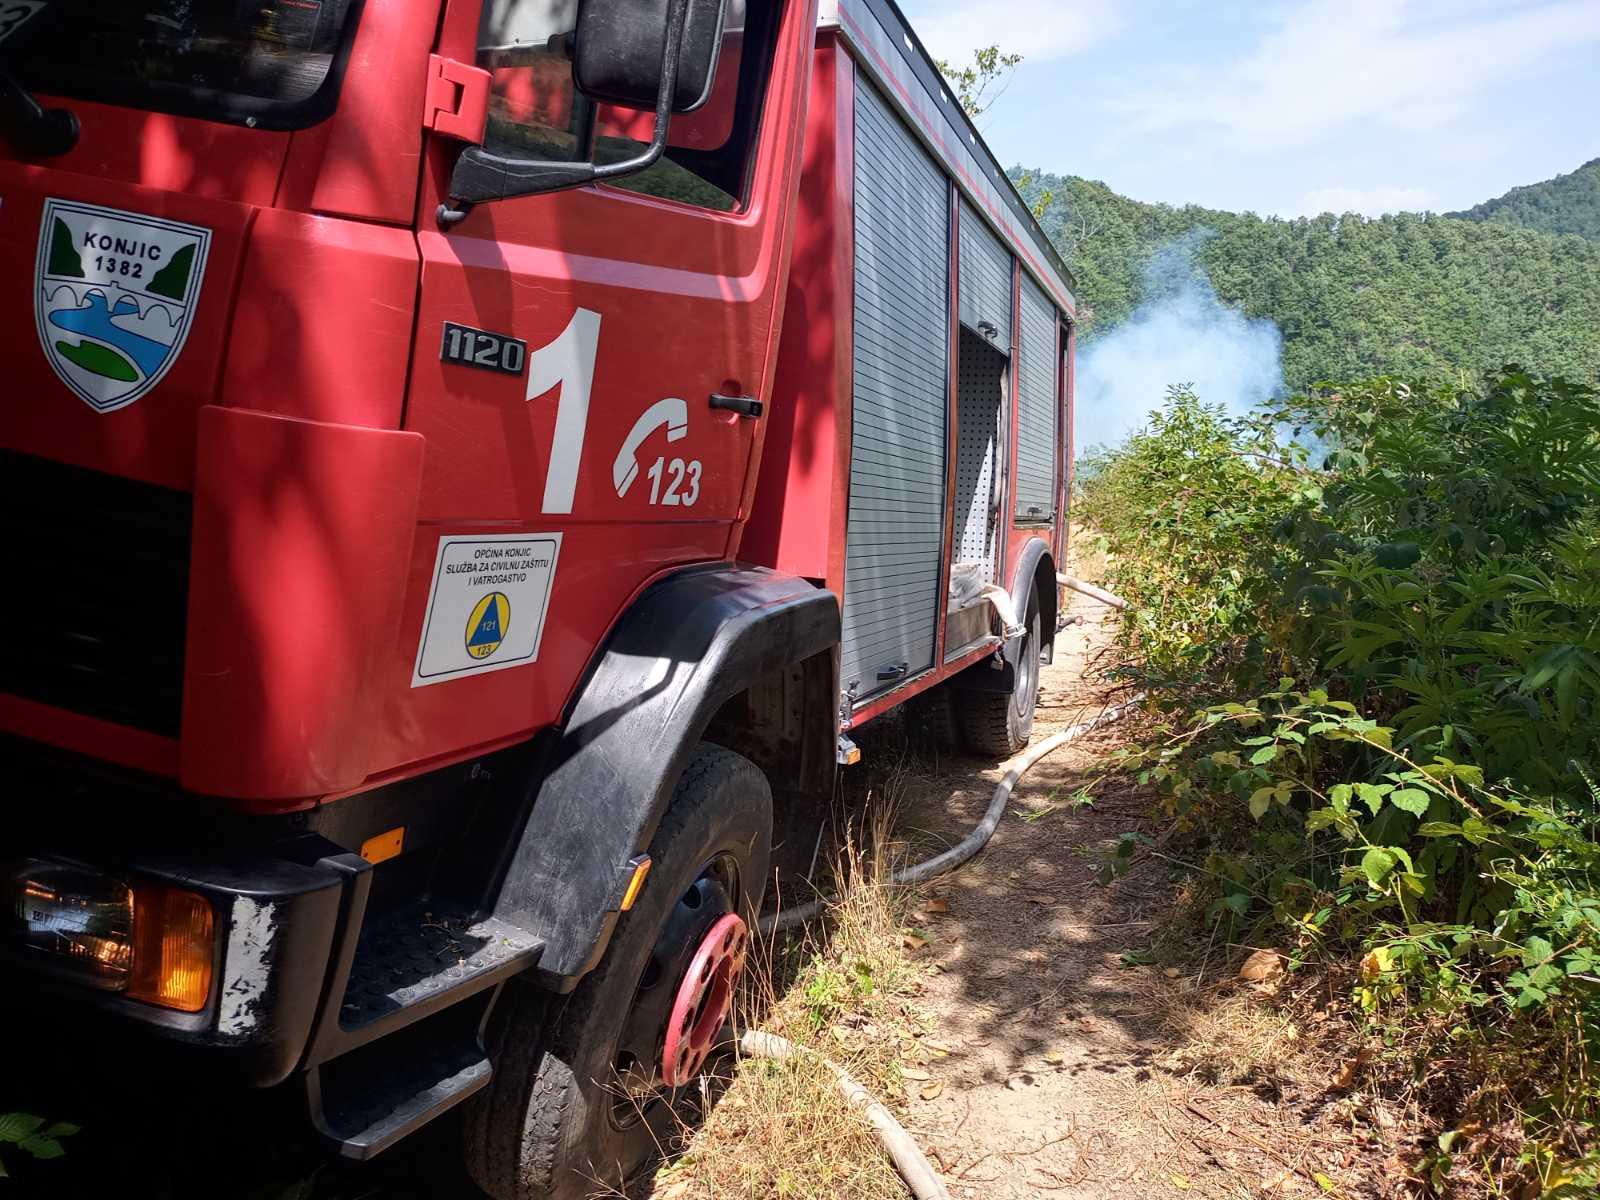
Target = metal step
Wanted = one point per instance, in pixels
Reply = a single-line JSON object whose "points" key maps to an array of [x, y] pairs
{"points": [[407, 959], [366, 1101], [405, 966]]}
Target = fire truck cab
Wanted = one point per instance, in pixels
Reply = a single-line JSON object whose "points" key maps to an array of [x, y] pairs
{"points": [[468, 467]]}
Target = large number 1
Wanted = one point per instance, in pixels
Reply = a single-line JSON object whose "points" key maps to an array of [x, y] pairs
{"points": [[566, 363]]}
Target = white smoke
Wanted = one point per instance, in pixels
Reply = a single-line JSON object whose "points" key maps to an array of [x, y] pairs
{"points": [[1180, 334]]}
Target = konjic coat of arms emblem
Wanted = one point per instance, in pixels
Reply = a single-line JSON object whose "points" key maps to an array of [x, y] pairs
{"points": [[115, 297]]}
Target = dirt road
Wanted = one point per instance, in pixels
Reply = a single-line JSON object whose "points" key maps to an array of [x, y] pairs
{"points": [[1070, 1068]]}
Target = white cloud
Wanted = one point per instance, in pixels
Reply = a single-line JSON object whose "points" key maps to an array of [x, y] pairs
{"points": [[1039, 30], [1336, 65], [1368, 201]]}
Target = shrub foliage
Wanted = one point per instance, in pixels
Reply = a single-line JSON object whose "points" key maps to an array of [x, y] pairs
{"points": [[1373, 619]]}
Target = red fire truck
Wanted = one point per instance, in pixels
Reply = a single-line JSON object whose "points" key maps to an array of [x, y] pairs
{"points": [[470, 465]]}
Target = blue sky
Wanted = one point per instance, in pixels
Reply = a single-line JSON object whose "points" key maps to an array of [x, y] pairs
{"points": [[1289, 106]]}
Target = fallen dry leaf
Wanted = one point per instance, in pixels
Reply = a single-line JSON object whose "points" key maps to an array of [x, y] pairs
{"points": [[1055, 1057], [1171, 972], [935, 1046], [937, 904], [1262, 966], [1346, 1075], [1181, 1182], [914, 1073], [930, 1091], [912, 942]]}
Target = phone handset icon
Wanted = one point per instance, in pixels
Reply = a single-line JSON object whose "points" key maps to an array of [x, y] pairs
{"points": [[671, 413]]}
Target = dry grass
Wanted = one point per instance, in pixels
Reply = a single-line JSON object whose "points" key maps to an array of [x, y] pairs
{"points": [[1230, 1039], [845, 987]]}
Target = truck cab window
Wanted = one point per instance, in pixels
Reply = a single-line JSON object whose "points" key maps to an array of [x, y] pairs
{"points": [[275, 62], [535, 112]]}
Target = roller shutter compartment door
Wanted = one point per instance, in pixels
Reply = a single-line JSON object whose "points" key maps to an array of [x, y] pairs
{"points": [[984, 281], [1036, 405], [893, 545]]}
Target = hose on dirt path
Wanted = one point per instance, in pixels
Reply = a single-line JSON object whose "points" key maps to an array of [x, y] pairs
{"points": [[975, 841], [909, 1160]]}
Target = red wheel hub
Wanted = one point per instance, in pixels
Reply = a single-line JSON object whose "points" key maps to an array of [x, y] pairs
{"points": [[703, 1000]]}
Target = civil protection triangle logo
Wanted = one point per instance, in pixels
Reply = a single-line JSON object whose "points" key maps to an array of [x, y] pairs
{"points": [[114, 297]]}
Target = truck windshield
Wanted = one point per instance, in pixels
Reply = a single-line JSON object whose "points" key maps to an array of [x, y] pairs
{"points": [[273, 63]]}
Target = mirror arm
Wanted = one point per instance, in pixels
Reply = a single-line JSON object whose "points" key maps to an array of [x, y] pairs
{"points": [[677, 19], [480, 175]]}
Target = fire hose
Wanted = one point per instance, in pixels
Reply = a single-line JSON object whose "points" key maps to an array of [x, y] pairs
{"points": [[908, 1157], [975, 841]]}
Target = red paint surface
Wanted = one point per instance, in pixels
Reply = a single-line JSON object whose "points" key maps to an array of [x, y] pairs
{"points": [[363, 161], [302, 531], [73, 731], [322, 326], [801, 498]]}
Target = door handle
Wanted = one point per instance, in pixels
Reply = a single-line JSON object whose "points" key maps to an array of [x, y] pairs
{"points": [[745, 406]]}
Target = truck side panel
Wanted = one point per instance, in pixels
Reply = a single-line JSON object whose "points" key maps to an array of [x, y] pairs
{"points": [[894, 549]]}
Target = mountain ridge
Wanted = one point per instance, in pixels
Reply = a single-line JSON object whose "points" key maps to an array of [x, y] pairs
{"points": [[1411, 294], [1562, 204]]}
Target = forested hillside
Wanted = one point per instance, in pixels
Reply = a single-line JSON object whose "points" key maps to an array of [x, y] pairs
{"points": [[1565, 204], [1411, 295]]}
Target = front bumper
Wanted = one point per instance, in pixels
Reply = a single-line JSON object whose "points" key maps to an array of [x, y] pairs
{"points": [[275, 921], [278, 900]]}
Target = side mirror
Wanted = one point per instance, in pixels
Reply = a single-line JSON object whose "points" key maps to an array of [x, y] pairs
{"points": [[654, 54], [617, 54]]}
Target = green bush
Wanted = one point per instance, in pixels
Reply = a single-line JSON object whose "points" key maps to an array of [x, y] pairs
{"points": [[1382, 659]]}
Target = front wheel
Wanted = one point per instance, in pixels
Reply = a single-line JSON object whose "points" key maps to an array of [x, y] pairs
{"points": [[1000, 725], [587, 1089]]}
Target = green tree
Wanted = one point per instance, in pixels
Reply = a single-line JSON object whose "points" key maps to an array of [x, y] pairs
{"points": [[982, 81]]}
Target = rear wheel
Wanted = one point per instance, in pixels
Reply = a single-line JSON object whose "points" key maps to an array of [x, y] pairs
{"points": [[588, 1089], [1001, 725], [930, 721]]}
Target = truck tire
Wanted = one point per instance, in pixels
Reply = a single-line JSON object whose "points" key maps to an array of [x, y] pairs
{"points": [[930, 721], [571, 1109], [996, 725]]}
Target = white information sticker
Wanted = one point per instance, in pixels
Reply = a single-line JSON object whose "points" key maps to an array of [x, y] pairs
{"points": [[487, 605]]}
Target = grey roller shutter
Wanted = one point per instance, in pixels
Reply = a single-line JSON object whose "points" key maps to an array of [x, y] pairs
{"points": [[1036, 405], [893, 545], [984, 280]]}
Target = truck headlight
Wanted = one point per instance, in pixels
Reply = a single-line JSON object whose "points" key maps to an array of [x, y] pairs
{"points": [[154, 942], [78, 920]]}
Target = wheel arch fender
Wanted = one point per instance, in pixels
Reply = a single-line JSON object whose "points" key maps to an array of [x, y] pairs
{"points": [[1035, 570], [689, 643]]}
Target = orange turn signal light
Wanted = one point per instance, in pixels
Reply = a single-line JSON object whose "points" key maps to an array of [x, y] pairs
{"points": [[174, 945], [641, 868]]}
